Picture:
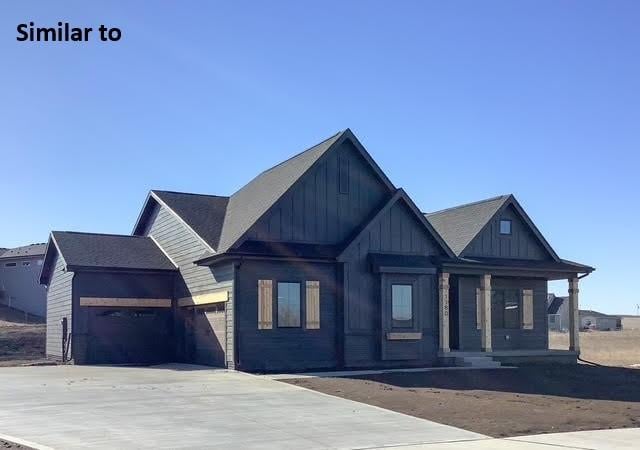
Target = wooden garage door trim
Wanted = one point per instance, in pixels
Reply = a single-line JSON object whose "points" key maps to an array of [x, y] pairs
{"points": [[205, 299], [126, 302]]}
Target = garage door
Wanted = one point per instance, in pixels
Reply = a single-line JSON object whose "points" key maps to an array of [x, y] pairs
{"points": [[206, 335], [129, 336]]}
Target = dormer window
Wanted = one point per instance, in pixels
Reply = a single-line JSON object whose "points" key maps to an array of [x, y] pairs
{"points": [[505, 226]]}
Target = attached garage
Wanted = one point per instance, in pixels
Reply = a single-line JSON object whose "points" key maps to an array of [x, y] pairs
{"points": [[117, 299]]}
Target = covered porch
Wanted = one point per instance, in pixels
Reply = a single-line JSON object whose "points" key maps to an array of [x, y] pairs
{"points": [[495, 310]]}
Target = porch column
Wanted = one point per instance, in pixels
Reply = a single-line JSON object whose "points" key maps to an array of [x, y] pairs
{"points": [[485, 312], [574, 316], [443, 286]]}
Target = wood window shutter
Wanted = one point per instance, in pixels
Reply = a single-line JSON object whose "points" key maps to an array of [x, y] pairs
{"points": [[313, 304], [479, 307], [527, 309], [265, 304]]}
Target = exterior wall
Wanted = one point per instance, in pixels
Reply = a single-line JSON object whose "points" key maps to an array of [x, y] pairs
{"points": [[20, 287], [395, 231], [521, 243], [315, 210], [59, 296], [119, 285], [631, 323], [184, 247], [469, 335], [285, 348]]}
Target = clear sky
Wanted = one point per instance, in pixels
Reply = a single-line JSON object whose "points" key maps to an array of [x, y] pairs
{"points": [[457, 101]]}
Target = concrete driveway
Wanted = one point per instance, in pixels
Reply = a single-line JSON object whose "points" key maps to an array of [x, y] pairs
{"points": [[177, 406]]}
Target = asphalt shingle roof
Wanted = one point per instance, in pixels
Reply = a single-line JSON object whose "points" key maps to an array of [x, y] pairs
{"points": [[459, 225], [203, 213], [92, 250], [251, 201], [26, 250]]}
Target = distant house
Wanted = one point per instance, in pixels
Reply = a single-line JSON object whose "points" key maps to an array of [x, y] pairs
{"points": [[19, 279], [595, 320], [630, 322], [558, 312], [558, 317]]}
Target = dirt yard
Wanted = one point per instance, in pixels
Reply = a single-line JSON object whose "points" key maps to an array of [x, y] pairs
{"points": [[506, 402], [611, 348], [11, 445], [20, 342]]}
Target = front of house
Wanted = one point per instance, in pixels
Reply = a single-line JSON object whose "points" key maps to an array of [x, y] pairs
{"points": [[318, 263]]}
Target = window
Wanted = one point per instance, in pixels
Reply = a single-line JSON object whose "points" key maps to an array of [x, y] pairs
{"points": [[10, 264], [401, 305], [26, 263], [505, 309], [505, 226], [288, 305]]}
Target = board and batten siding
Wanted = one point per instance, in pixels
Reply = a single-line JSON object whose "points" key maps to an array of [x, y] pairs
{"points": [[521, 243], [395, 231], [184, 247], [536, 338], [280, 348], [321, 209], [59, 305]]}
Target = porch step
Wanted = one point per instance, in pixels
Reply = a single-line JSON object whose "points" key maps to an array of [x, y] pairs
{"points": [[484, 362]]}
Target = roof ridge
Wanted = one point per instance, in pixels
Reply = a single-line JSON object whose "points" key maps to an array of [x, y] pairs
{"points": [[464, 205], [190, 193], [87, 233]]}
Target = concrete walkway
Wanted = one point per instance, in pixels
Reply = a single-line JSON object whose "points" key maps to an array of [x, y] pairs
{"points": [[580, 440], [178, 406]]}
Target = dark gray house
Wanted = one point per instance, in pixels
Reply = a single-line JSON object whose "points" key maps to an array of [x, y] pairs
{"points": [[319, 262], [19, 279]]}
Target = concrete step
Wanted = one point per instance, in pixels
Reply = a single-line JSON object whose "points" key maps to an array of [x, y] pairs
{"points": [[484, 362]]}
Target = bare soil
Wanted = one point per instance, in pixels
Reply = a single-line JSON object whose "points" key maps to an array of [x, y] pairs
{"points": [[21, 341], [504, 402], [11, 445]]}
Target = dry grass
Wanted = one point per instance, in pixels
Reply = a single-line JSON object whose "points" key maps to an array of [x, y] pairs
{"points": [[20, 342], [611, 348]]}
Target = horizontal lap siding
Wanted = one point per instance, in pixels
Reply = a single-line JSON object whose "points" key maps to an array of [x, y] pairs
{"points": [[59, 301], [534, 339], [184, 247], [285, 348]]}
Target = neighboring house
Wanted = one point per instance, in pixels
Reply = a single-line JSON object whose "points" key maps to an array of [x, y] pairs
{"points": [[595, 320], [558, 312], [319, 262], [630, 322], [19, 279]]}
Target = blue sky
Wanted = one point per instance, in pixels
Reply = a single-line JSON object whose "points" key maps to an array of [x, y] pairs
{"points": [[457, 101]]}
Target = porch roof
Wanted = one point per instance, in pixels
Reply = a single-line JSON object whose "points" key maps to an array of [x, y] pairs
{"points": [[516, 267]]}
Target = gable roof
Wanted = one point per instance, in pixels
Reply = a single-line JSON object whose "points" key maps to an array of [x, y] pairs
{"points": [[400, 194], [25, 250], [220, 222], [460, 225], [105, 251], [204, 214]]}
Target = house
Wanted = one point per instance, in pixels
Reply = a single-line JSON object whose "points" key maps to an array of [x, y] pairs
{"points": [[19, 271], [558, 312], [595, 320], [319, 262]]}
